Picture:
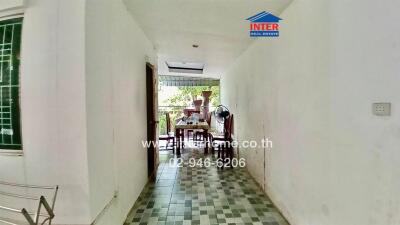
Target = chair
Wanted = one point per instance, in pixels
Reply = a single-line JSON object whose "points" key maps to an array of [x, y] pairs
{"points": [[199, 135], [225, 148], [170, 135], [189, 113]]}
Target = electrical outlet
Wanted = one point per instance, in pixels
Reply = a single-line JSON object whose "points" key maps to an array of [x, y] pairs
{"points": [[381, 109]]}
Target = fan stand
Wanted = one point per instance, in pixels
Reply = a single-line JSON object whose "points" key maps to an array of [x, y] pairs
{"points": [[224, 150]]}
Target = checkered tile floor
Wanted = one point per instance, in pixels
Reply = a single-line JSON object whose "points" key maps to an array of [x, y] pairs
{"points": [[202, 195]]}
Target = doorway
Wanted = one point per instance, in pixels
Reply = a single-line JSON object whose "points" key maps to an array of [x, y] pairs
{"points": [[175, 95], [152, 122]]}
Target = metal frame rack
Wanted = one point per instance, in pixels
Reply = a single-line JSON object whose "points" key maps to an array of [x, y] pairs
{"points": [[38, 217]]}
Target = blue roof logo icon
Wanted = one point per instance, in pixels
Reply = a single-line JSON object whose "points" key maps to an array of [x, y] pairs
{"points": [[264, 17]]}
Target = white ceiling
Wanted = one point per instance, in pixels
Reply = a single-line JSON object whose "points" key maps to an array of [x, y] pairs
{"points": [[219, 27]]}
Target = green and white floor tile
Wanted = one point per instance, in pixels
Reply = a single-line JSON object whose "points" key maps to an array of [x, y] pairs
{"points": [[203, 195]]}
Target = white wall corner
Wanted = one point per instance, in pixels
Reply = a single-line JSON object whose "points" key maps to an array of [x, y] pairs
{"points": [[12, 7]]}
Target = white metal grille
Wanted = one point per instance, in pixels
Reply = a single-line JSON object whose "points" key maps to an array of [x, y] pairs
{"points": [[10, 137]]}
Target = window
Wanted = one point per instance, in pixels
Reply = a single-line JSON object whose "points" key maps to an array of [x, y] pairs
{"points": [[10, 122]]}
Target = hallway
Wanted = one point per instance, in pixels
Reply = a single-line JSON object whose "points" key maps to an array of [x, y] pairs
{"points": [[313, 87], [202, 195]]}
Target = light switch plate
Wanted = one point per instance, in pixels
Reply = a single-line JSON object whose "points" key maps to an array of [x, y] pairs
{"points": [[381, 109]]}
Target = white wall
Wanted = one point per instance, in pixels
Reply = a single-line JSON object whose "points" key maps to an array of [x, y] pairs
{"points": [[7, 5], [53, 107], [365, 69], [116, 50], [311, 91], [83, 107]]}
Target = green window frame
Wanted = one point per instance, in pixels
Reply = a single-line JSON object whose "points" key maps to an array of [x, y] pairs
{"points": [[10, 121]]}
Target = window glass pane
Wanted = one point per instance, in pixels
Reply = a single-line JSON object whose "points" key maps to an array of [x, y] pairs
{"points": [[10, 123]]}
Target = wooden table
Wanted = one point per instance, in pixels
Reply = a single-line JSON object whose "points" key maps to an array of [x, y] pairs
{"points": [[180, 128]]}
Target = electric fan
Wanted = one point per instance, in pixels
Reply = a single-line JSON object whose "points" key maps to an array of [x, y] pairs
{"points": [[221, 114]]}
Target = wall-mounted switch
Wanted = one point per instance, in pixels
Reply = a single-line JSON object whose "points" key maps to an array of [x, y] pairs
{"points": [[381, 109]]}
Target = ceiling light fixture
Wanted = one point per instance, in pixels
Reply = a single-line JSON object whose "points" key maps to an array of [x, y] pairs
{"points": [[185, 67]]}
